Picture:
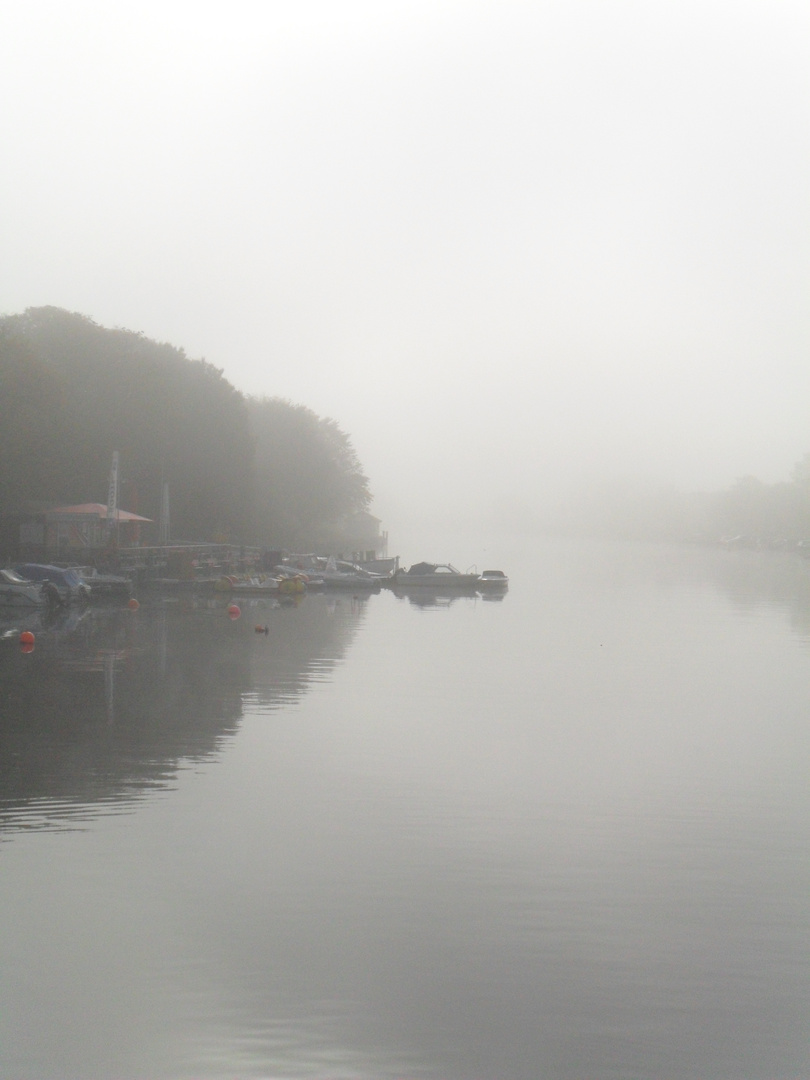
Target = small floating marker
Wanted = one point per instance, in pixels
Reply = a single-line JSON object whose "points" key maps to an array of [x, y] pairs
{"points": [[26, 641], [133, 604], [262, 629], [234, 611]]}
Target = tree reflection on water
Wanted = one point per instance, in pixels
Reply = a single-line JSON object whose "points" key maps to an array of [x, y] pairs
{"points": [[111, 701]]}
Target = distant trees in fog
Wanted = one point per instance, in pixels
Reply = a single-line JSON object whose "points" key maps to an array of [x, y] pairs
{"points": [[307, 474], [72, 392], [749, 512], [753, 510]]}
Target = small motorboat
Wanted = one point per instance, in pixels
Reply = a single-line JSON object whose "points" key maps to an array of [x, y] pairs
{"points": [[104, 586], [338, 574], [438, 576], [17, 591], [56, 581], [327, 572], [493, 581], [262, 585]]}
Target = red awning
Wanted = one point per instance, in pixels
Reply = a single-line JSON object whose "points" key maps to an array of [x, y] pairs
{"points": [[95, 510]]}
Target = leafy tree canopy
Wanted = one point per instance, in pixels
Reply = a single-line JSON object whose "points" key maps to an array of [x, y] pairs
{"points": [[74, 391], [308, 476]]}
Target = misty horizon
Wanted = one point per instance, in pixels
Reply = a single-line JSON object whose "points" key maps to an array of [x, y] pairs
{"points": [[511, 250]]}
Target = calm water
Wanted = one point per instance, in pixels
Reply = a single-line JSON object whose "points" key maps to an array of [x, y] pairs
{"points": [[561, 836]]}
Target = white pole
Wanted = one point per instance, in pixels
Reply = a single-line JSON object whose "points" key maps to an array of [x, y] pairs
{"points": [[112, 498]]}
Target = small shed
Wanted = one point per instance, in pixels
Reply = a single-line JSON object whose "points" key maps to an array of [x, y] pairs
{"points": [[85, 526]]}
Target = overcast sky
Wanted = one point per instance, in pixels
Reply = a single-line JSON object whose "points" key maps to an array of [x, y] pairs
{"points": [[505, 245]]}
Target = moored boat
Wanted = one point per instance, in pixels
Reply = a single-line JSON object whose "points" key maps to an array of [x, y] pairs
{"points": [[331, 573], [17, 591], [262, 585], [382, 567], [66, 584], [439, 576], [493, 581], [104, 586], [338, 574]]}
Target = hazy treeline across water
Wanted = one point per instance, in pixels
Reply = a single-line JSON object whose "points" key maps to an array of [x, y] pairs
{"points": [[264, 470], [270, 472], [750, 511]]}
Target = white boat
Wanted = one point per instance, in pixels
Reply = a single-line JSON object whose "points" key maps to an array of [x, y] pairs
{"points": [[261, 585], [493, 581], [383, 567], [337, 574], [438, 576], [17, 591], [331, 573], [104, 585]]}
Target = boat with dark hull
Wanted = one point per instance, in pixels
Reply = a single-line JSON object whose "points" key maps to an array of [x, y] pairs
{"points": [[440, 577]]}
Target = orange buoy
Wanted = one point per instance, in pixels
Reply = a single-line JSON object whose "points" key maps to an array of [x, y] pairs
{"points": [[26, 641], [262, 629], [133, 604], [234, 611]]}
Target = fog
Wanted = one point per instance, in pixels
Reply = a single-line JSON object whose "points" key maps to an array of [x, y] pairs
{"points": [[510, 247]]}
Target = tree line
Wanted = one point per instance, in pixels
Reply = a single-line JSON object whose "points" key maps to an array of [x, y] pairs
{"points": [[248, 470], [749, 512]]}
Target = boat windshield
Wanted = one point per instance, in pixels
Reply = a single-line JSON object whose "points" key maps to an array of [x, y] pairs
{"points": [[13, 578]]}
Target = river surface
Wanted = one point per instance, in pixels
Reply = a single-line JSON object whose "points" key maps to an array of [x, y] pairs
{"points": [[563, 835]]}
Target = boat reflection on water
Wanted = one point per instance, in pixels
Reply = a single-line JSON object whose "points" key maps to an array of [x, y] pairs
{"points": [[433, 598], [495, 596], [110, 702], [51, 621]]}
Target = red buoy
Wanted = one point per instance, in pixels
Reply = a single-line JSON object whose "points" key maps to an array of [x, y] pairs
{"points": [[26, 641], [133, 604], [233, 611]]}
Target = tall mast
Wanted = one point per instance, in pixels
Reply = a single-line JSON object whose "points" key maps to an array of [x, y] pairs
{"points": [[164, 529], [112, 499]]}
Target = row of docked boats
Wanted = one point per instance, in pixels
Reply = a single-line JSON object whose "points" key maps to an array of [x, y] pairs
{"points": [[298, 573], [35, 584]]}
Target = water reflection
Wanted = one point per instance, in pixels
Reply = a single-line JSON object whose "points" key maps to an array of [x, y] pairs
{"points": [[563, 836], [435, 598], [752, 579], [110, 701]]}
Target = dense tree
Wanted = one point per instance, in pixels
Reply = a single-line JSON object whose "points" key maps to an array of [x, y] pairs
{"points": [[73, 391], [33, 431], [170, 417], [749, 512], [308, 477], [768, 513]]}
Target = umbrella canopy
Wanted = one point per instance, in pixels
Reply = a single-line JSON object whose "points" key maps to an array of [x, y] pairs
{"points": [[95, 510]]}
